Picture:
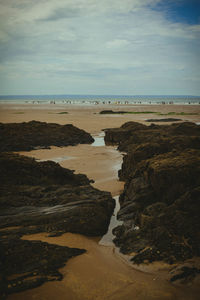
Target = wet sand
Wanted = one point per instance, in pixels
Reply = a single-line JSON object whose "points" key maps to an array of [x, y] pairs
{"points": [[101, 273], [100, 164]]}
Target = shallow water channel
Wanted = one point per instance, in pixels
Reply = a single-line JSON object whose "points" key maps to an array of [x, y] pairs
{"points": [[107, 239]]}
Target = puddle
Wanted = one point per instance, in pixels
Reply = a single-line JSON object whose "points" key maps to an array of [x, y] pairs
{"points": [[99, 140], [107, 239]]}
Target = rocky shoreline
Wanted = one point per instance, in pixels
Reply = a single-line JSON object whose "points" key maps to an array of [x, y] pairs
{"points": [[43, 197], [160, 202]]}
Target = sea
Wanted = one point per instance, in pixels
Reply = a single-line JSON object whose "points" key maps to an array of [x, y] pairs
{"points": [[100, 99]]}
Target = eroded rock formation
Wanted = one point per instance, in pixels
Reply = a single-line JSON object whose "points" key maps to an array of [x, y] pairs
{"points": [[160, 204]]}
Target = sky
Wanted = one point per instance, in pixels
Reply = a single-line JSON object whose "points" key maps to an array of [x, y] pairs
{"points": [[107, 47]]}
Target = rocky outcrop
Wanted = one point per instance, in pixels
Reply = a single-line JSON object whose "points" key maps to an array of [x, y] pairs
{"points": [[34, 134], [28, 264], [160, 203], [120, 135], [145, 150], [43, 197], [45, 194], [132, 133]]}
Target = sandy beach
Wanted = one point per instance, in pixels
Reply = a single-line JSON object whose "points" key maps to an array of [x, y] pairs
{"points": [[88, 117], [100, 273]]}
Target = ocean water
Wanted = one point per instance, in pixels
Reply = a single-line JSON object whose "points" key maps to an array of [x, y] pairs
{"points": [[99, 99]]}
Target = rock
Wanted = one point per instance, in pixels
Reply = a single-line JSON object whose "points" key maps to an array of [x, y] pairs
{"points": [[20, 170], [138, 152], [43, 197], [168, 217], [28, 264], [104, 112], [111, 112], [184, 274], [161, 196], [46, 195], [119, 135], [132, 133], [164, 120], [35, 135]]}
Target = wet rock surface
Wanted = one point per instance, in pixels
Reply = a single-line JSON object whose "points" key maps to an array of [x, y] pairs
{"points": [[43, 197], [34, 134], [160, 204]]}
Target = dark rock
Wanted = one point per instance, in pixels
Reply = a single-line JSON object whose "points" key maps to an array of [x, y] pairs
{"points": [[144, 151], [160, 202], [43, 197], [47, 195], [28, 264], [185, 274], [21, 170], [34, 135], [104, 112], [132, 133], [164, 120], [111, 112], [168, 214], [120, 135]]}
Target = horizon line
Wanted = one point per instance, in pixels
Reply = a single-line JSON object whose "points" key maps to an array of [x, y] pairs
{"points": [[107, 95]]}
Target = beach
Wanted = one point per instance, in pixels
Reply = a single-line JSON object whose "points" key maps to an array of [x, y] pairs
{"points": [[87, 117], [100, 273]]}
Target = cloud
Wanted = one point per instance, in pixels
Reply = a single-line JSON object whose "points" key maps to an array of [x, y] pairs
{"points": [[62, 13], [90, 46], [117, 43]]}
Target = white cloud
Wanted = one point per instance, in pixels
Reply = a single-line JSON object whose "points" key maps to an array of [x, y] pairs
{"points": [[117, 43], [109, 44]]}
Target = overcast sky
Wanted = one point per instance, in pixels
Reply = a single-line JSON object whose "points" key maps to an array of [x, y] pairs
{"points": [[131, 47]]}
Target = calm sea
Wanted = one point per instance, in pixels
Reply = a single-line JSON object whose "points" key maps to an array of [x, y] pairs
{"points": [[100, 99]]}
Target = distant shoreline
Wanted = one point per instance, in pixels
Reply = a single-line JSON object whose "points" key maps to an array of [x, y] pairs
{"points": [[86, 100]]}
